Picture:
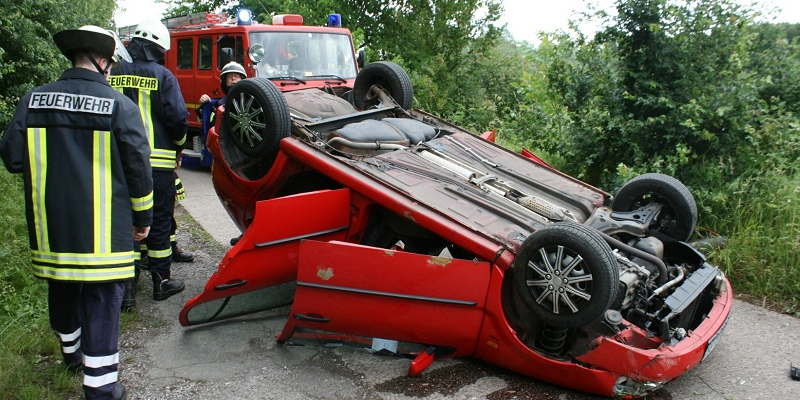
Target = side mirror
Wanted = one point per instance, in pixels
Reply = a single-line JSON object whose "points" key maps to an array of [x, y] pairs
{"points": [[361, 55]]}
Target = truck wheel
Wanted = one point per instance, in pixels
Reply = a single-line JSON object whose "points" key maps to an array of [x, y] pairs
{"points": [[678, 216], [566, 275], [256, 118], [388, 76]]}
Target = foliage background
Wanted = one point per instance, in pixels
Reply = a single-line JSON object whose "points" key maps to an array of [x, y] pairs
{"points": [[28, 56], [704, 90]]}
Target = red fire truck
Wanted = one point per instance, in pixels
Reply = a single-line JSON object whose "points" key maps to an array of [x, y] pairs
{"points": [[291, 54]]}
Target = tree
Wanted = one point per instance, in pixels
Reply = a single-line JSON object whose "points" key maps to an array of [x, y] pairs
{"points": [[410, 29], [663, 87], [28, 55]]}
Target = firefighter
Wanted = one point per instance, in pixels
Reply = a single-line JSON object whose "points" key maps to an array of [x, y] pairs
{"points": [[85, 160], [155, 89], [231, 73]]}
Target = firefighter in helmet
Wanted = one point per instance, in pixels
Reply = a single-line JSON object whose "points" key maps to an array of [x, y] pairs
{"points": [[155, 89], [85, 160], [231, 73]]}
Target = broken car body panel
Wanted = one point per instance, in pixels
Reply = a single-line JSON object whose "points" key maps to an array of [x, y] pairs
{"points": [[241, 286]]}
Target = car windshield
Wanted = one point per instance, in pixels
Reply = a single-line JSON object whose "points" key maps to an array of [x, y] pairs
{"points": [[305, 55]]}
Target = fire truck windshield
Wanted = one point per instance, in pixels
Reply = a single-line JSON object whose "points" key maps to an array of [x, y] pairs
{"points": [[305, 55]]}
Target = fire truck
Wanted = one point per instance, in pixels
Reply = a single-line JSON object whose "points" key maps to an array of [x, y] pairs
{"points": [[288, 52]]}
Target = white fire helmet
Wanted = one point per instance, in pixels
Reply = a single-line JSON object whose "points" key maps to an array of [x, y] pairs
{"points": [[154, 31]]}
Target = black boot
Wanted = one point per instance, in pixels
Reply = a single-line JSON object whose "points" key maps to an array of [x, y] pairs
{"points": [[74, 362], [179, 255], [164, 287], [119, 392], [129, 298]]}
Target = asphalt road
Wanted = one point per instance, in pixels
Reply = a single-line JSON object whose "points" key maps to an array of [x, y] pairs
{"points": [[240, 359]]}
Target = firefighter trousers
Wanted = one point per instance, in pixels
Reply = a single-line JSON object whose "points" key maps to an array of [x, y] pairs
{"points": [[159, 247], [85, 317]]}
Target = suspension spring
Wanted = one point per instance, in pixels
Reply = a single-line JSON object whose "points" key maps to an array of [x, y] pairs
{"points": [[553, 339]]}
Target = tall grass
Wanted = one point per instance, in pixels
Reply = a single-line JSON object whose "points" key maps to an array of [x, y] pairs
{"points": [[29, 352], [760, 216]]}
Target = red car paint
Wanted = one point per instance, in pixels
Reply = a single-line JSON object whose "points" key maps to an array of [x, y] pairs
{"points": [[309, 239]]}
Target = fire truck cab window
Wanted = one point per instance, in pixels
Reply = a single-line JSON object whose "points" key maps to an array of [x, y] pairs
{"points": [[204, 53], [185, 56], [230, 48]]}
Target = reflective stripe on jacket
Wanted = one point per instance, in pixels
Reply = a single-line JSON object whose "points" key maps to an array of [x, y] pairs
{"points": [[85, 162], [157, 93]]}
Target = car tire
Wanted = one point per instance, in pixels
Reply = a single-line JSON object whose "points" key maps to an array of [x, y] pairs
{"points": [[391, 77], [678, 217], [256, 118], [566, 275]]}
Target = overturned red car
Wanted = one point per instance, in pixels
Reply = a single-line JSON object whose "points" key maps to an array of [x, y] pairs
{"points": [[378, 221]]}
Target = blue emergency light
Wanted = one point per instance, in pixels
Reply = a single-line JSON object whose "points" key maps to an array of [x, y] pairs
{"points": [[335, 20], [244, 17]]}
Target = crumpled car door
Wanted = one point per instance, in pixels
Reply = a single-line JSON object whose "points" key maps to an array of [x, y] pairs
{"points": [[260, 271]]}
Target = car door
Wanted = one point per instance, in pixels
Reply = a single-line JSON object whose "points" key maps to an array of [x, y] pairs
{"points": [[392, 294], [260, 271]]}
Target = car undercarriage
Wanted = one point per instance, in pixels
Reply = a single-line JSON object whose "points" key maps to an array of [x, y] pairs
{"points": [[465, 247]]}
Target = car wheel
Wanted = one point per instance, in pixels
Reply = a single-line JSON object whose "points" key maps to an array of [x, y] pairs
{"points": [[256, 118], [677, 218], [390, 77], [566, 275]]}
